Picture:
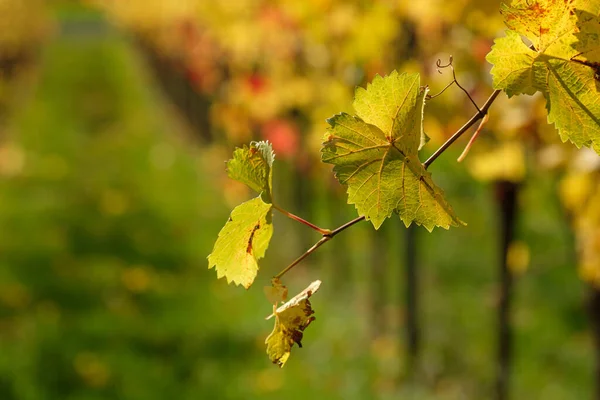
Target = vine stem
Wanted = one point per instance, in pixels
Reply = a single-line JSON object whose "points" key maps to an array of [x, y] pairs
{"points": [[478, 115], [288, 214], [346, 226], [326, 237]]}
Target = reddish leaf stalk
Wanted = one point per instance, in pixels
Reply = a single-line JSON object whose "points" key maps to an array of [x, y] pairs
{"points": [[475, 135], [302, 220]]}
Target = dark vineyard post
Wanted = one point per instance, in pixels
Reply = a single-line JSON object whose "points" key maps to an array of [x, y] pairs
{"points": [[506, 199], [594, 313], [412, 299]]}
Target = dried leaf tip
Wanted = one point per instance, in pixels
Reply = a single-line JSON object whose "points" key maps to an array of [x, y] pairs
{"points": [[303, 295]]}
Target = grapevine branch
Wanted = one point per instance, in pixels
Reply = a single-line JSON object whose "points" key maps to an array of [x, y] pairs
{"points": [[327, 234], [480, 114]]}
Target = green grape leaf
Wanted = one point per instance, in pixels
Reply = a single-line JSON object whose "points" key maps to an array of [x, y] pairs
{"points": [[242, 242], [376, 154], [252, 165], [291, 319], [563, 64]]}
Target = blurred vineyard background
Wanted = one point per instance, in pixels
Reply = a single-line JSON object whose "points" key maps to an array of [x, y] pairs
{"points": [[116, 118]]}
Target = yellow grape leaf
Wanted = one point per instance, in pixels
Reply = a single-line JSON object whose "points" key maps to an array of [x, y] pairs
{"points": [[375, 155], [291, 319], [563, 64], [242, 241]]}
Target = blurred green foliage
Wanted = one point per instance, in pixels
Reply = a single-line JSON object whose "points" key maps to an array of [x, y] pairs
{"points": [[104, 221], [108, 210]]}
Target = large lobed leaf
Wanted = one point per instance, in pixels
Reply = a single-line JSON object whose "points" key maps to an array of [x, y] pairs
{"points": [[563, 65], [245, 237], [375, 154]]}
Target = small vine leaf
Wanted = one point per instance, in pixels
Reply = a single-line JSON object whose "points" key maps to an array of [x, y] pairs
{"points": [[303, 295], [563, 65], [242, 242], [277, 292], [376, 155], [291, 320], [252, 165], [288, 330]]}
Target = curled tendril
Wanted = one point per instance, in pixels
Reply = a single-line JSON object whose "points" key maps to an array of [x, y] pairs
{"points": [[439, 67]]}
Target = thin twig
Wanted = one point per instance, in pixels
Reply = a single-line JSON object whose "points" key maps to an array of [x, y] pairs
{"points": [[480, 114], [475, 135], [433, 96], [450, 65], [466, 92]]}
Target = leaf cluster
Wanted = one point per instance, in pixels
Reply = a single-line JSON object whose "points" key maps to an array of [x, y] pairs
{"points": [[375, 152]]}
